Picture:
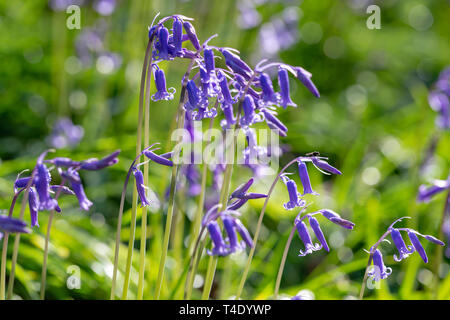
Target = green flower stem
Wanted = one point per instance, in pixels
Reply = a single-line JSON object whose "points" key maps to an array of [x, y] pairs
{"points": [[5, 248], [258, 229], [439, 249], [138, 150], [196, 255], [283, 262], [170, 210], [212, 264], [47, 240], [142, 249]]}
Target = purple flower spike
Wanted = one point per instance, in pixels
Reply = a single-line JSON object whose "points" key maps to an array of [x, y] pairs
{"points": [[158, 159], [267, 88], [336, 218], [318, 232], [12, 225], [190, 31], [379, 271], [85, 203], [283, 81], [403, 250], [305, 78], [220, 248], [236, 64], [193, 96], [417, 245], [177, 30], [95, 164], [228, 223], [294, 200], [426, 193], [139, 178], [245, 235], [33, 204], [434, 240], [304, 178], [161, 89], [322, 164], [306, 239], [42, 183]]}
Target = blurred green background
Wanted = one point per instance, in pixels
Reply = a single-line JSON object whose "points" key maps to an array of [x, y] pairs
{"points": [[373, 121]]}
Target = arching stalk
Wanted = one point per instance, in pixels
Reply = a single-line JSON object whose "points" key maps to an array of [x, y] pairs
{"points": [[282, 263]]}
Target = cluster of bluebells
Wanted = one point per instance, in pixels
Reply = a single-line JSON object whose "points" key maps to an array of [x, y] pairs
{"points": [[379, 270], [223, 246], [439, 99], [242, 96], [41, 189], [296, 201]]}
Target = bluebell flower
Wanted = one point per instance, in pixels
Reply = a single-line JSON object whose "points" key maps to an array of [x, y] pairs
{"points": [[417, 245], [210, 65], [140, 186], [336, 218], [243, 232], [63, 162], [42, 183], [294, 196], [161, 89], [162, 45], [426, 193], [323, 165], [12, 225], [78, 189], [177, 31], [283, 81], [229, 116], [190, 31], [305, 78], [268, 94], [226, 95], [248, 106], [303, 233], [379, 270], [229, 225], [273, 120], [95, 164], [403, 250], [160, 159], [236, 64], [219, 246], [318, 232], [33, 204], [304, 178]]}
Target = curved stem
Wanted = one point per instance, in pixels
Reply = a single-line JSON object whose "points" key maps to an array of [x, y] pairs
{"points": [[138, 149], [170, 210], [142, 249], [212, 264], [282, 263], [193, 264], [258, 229]]}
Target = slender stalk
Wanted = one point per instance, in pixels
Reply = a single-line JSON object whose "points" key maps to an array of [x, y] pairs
{"points": [[170, 210], [5, 249], [212, 264], [142, 249], [47, 239], [258, 229], [193, 265], [44, 264], [439, 249], [138, 148], [283, 261]]}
